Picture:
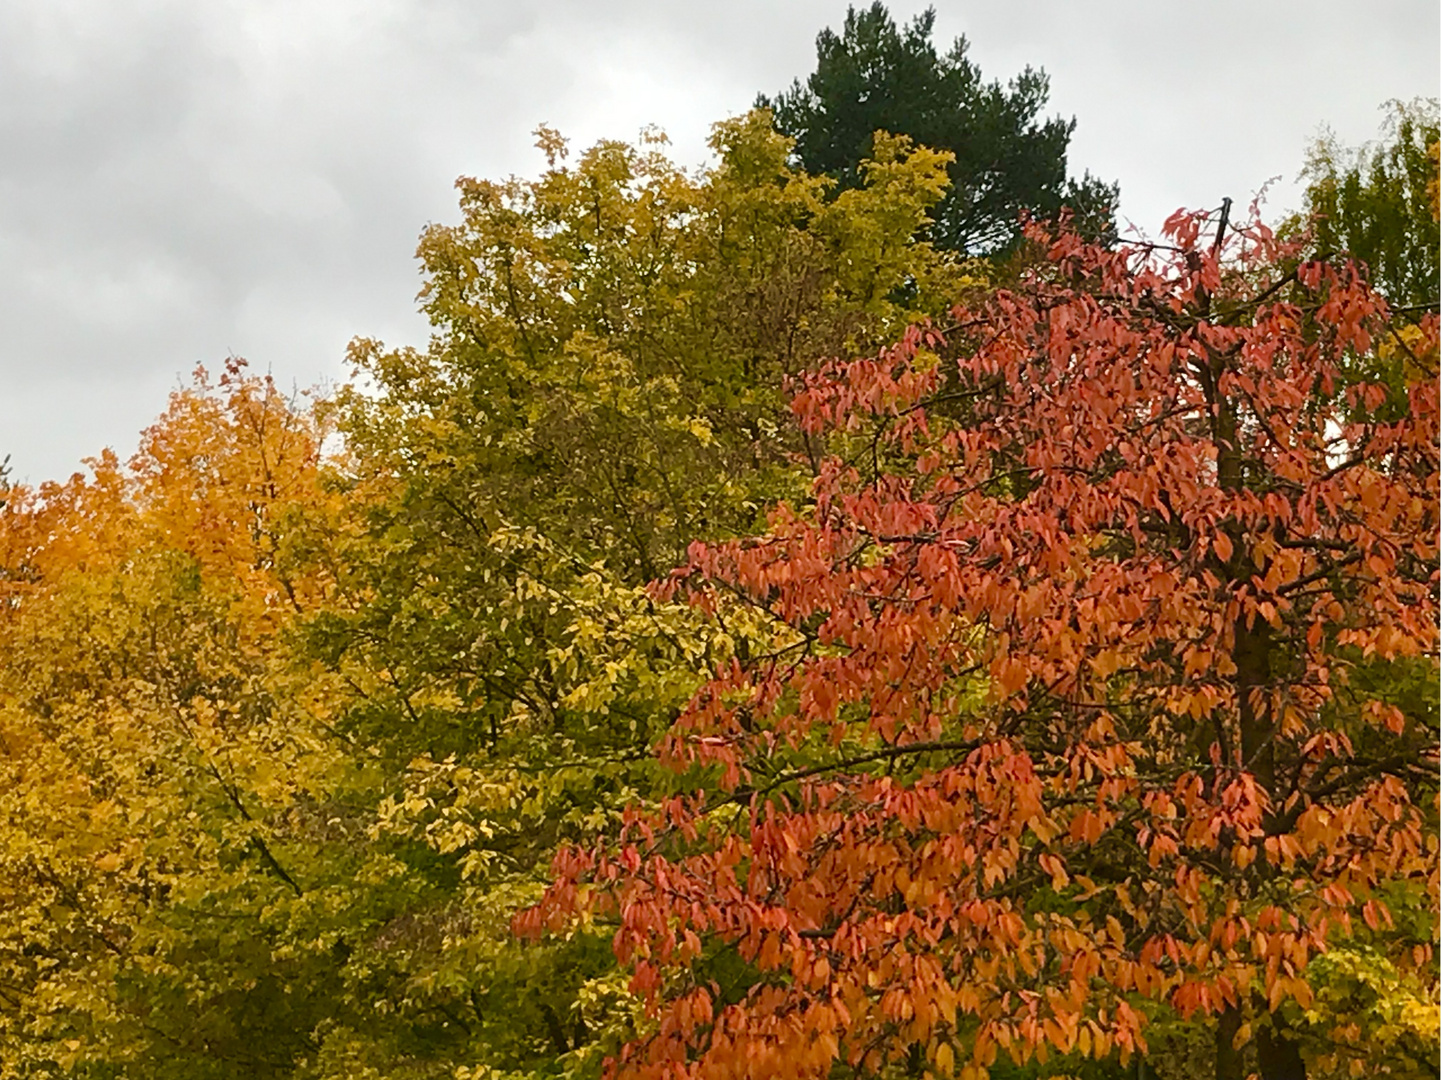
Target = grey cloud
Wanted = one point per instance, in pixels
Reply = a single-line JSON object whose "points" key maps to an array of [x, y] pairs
{"points": [[180, 180]]}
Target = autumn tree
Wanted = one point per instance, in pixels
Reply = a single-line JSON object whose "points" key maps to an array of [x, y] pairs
{"points": [[874, 76], [1378, 203], [604, 384], [165, 792], [1082, 709]]}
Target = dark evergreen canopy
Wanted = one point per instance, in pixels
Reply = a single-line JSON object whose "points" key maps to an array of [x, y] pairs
{"points": [[877, 76]]}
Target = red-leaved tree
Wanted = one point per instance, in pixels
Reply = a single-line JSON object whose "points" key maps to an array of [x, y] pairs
{"points": [[1083, 706]]}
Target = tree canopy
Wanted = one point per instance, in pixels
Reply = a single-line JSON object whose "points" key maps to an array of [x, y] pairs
{"points": [[747, 642], [287, 738], [1085, 697], [874, 76], [1379, 202], [605, 384]]}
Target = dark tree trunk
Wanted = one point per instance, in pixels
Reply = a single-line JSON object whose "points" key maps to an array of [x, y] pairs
{"points": [[1229, 1062], [1278, 1054]]}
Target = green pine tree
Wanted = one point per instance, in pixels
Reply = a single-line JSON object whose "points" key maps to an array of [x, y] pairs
{"points": [[1008, 159]]}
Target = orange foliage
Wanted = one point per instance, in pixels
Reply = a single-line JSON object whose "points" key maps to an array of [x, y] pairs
{"points": [[1070, 726], [212, 479], [144, 764]]}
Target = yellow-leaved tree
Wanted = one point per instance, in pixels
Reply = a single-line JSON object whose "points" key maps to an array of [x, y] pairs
{"points": [[606, 383], [163, 776]]}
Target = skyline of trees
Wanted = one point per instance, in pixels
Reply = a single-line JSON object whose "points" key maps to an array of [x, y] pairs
{"points": [[753, 635]]}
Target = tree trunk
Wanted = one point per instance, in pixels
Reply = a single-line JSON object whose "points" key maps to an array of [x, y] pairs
{"points": [[1229, 1063], [1278, 1057], [1278, 1054]]}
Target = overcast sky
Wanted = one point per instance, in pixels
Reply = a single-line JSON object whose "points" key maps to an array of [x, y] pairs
{"points": [[181, 180]]}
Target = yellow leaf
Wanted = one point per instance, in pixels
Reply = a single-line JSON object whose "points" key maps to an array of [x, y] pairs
{"points": [[945, 1059]]}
